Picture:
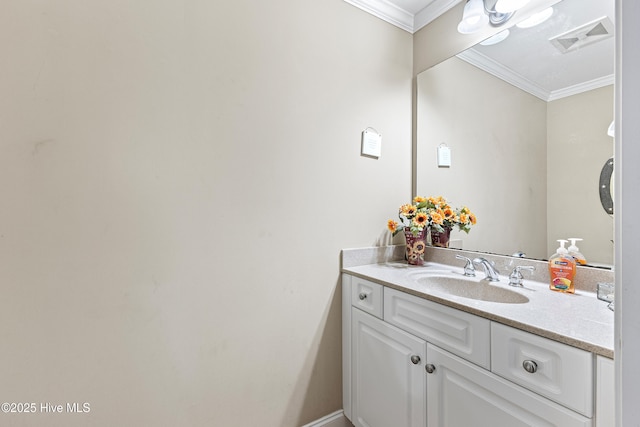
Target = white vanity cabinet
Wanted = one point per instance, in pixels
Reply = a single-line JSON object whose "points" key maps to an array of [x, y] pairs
{"points": [[423, 364], [389, 384], [461, 394]]}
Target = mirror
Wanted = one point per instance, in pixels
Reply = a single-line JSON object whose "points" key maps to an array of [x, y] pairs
{"points": [[526, 122]]}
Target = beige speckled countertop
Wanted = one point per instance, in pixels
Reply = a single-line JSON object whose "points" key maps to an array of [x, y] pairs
{"points": [[580, 320]]}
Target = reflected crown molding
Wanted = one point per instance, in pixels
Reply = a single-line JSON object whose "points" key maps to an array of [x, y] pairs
{"points": [[582, 87], [413, 16], [492, 67]]}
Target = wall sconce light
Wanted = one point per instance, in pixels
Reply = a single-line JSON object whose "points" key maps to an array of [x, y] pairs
{"points": [[473, 17], [477, 13], [506, 6]]}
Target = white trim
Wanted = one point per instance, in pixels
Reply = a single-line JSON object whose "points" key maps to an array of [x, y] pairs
{"points": [[387, 12], [431, 12], [582, 87], [627, 204], [336, 419], [402, 18], [492, 67]]}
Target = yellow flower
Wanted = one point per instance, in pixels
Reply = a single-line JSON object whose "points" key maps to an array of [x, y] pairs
{"points": [[421, 219], [419, 199], [449, 214], [433, 210], [437, 218], [408, 210]]}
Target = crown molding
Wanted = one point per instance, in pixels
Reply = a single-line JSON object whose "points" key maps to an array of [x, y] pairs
{"points": [[432, 11], [582, 87], [492, 67], [401, 18], [387, 12]]}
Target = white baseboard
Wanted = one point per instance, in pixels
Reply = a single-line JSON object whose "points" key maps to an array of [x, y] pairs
{"points": [[336, 419]]}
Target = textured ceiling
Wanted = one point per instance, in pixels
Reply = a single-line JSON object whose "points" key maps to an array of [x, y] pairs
{"points": [[526, 56]]}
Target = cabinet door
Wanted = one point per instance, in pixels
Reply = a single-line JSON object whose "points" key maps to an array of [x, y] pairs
{"points": [[388, 376], [459, 394], [605, 391]]}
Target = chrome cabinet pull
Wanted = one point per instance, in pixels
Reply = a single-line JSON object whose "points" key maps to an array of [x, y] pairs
{"points": [[530, 366], [415, 359], [362, 296], [430, 368]]}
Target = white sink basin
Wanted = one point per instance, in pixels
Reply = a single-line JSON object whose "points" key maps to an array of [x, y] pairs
{"points": [[480, 290]]}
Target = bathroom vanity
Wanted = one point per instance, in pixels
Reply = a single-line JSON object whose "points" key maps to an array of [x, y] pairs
{"points": [[427, 346]]}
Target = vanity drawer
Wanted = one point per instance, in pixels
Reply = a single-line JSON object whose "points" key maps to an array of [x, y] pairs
{"points": [[557, 371], [462, 334], [367, 296]]}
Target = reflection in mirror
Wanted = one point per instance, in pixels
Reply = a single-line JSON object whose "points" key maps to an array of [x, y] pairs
{"points": [[528, 138], [605, 186]]}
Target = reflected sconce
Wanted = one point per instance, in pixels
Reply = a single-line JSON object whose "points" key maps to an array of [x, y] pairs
{"points": [[477, 13], [496, 39]]}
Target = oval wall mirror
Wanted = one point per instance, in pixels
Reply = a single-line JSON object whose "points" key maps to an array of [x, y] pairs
{"points": [[605, 186]]}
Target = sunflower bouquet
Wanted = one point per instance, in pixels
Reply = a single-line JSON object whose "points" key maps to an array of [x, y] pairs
{"points": [[443, 215], [433, 212], [414, 216]]}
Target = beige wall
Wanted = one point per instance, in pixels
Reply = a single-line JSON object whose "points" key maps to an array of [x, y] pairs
{"points": [[497, 137], [578, 147], [178, 179]]}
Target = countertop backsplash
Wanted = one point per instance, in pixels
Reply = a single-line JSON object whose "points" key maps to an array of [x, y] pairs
{"points": [[586, 280]]}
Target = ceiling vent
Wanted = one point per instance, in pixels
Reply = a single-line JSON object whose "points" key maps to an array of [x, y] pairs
{"points": [[594, 31]]}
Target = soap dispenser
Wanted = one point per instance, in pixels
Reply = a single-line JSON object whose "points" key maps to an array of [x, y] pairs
{"points": [[562, 270], [575, 252]]}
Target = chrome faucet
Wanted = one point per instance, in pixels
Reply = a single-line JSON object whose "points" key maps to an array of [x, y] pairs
{"points": [[469, 270], [489, 270], [516, 278]]}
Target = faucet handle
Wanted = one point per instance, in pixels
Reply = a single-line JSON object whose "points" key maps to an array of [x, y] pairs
{"points": [[515, 278], [469, 269]]}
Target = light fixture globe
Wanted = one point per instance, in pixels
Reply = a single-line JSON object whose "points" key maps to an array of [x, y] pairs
{"points": [[506, 6], [473, 17], [536, 18], [496, 38]]}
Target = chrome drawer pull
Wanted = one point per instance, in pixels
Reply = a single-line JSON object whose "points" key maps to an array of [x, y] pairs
{"points": [[362, 296], [415, 359], [530, 366], [430, 368]]}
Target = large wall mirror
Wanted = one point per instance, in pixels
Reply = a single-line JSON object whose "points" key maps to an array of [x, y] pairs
{"points": [[526, 121]]}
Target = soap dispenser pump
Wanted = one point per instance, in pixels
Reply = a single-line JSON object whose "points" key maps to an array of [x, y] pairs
{"points": [[575, 252], [562, 270]]}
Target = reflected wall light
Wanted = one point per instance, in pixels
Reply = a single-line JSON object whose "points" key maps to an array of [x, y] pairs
{"points": [[536, 18], [496, 38]]}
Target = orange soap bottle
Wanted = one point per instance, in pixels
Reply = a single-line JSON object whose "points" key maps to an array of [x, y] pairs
{"points": [[575, 252], [562, 270]]}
